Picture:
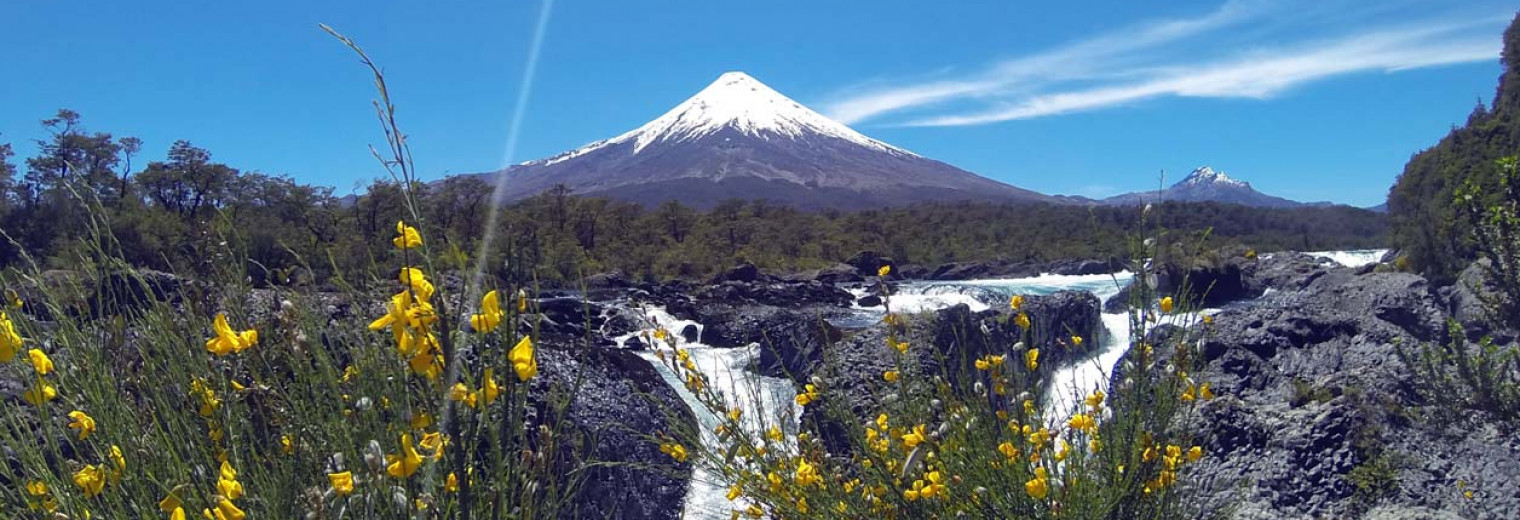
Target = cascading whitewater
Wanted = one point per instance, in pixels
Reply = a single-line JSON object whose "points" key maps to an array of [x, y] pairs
{"points": [[727, 370]]}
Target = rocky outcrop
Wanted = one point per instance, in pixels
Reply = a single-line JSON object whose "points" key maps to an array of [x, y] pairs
{"points": [[1317, 418], [948, 343], [618, 399]]}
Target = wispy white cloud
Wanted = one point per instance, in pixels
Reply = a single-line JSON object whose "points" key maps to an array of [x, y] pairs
{"points": [[1134, 65], [1084, 59]]}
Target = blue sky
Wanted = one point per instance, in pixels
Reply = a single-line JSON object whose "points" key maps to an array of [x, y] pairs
{"points": [[1311, 100]]}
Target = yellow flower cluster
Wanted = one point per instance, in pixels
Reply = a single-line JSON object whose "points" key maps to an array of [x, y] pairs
{"points": [[410, 317], [674, 450], [1172, 460], [990, 362], [808, 395], [11, 344], [226, 341], [931, 486]]}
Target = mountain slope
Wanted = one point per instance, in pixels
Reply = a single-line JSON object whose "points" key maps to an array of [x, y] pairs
{"points": [[738, 138], [1206, 185]]}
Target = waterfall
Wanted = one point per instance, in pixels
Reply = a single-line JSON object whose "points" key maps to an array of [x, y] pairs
{"points": [[727, 370]]}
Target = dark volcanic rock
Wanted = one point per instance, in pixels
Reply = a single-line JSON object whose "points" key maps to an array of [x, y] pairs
{"points": [[778, 293], [869, 300], [987, 269], [1210, 282], [793, 343], [1315, 401], [620, 398], [745, 272], [841, 273], [727, 325], [867, 263]]}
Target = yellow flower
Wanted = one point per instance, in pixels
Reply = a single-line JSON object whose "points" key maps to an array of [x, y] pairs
{"points": [[433, 442], [227, 484], [889, 376], [1022, 320], [1016, 302], [1037, 487], [1208, 320], [676, 451], [490, 314], [1188, 393], [733, 492], [10, 341], [1083, 422], [901, 346], [405, 464], [170, 503], [343, 483], [1205, 392], [489, 390], [1032, 359], [414, 279], [1008, 450], [406, 236], [119, 460], [774, 433], [522, 359], [40, 362], [808, 395], [451, 484], [522, 301], [1095, 401], [1076, 341], [1194, 453], [915, 437], [225, 510], [91, 479], [462, 393], [227, 341], [421, 421], [1064, 451], [1166, 304], [82, 422], [884, 270], [36, 488]]}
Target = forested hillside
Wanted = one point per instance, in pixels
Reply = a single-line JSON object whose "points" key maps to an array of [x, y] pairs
{"points": [[182, 212], [1426, 226]]}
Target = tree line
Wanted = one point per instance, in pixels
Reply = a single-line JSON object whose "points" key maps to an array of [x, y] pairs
{"points": [[188, 214]]}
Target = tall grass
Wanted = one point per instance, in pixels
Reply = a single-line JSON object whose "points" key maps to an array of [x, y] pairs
{"points": [[144, 395]]}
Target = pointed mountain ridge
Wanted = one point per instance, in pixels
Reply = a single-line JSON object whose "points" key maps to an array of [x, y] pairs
{"points": [[1205, 175], [740, 139]]}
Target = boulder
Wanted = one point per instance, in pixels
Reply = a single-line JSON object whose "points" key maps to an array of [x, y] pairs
{"points": [[839, 273], [745, 272], [618, 399], [869, 300], [792, 344], [867, 263]]}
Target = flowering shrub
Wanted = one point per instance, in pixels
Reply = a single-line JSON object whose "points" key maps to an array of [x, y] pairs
{"points": [[988, 447], [158, 413]]}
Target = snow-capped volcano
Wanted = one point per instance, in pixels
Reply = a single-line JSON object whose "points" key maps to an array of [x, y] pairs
{"points": [[1205, 176], [740, 139], [1205, 185]]}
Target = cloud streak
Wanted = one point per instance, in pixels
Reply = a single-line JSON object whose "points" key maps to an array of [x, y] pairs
{"points": [[1082, 60], [1133, 66]]}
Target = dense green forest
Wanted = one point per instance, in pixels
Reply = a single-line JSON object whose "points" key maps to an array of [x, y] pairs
{"points": [[185, 211], [1427, 226]]}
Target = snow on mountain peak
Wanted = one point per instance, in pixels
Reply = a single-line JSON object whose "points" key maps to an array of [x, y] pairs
{"points": [[1206, 176], [738, 101]]}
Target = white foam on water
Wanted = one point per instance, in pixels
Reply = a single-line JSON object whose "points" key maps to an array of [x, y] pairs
{"points": [[727, 370], [1353, 258]]}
